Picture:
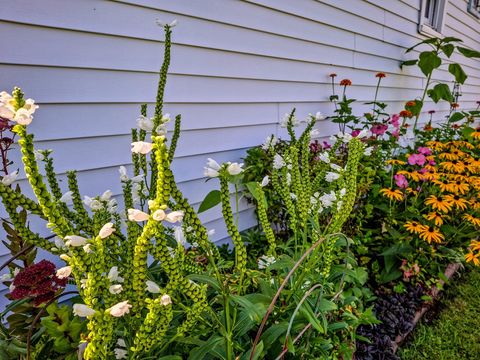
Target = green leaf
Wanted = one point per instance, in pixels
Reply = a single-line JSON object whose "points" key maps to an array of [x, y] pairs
{"points": [[408, 63], [468, 52], [428, 61], [201, 352], [273, 334], [448, 49], [441, 91], [308, 313], [255, 307], [256, 354], [456, 117], [253, 188], [170, 357], [212, 199], [206, 280], [327, 305], [457, 71]]}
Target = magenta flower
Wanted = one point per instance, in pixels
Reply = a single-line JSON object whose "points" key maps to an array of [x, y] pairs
{"points": [[401, 181], [417, 159], [395, 120], [424, 151], [396, 133], [355, 133], [379, 129]]}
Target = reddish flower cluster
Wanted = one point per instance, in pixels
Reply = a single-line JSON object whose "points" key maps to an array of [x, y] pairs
{"points": [[406, 114], [380, 75], [345, 82], [37, 281], [454, 105], [332, 75], [410, 104]]}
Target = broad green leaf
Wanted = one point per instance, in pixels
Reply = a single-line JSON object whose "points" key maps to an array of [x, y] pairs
{"points": [[408, 63], [212, 199], [468, 52], [456, 117], [201, 352], [457, 71], [439, 92], [306, 311], [254, 309], [273, 334], [429, 61], [327, 305], [448, 49], [256, 354]]}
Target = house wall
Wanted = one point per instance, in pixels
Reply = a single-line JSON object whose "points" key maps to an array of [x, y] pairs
{"points": [[237, 67]]}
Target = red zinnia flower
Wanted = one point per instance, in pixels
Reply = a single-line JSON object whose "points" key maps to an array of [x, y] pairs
{"points": [[431, 112], [345, 82], [380, 75], [332, 75], [454, 105], [38, 281], [406, 113], [410, 104]]}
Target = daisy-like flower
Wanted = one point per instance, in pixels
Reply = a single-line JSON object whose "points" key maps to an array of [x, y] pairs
{"points": [[431, 234], [475, 245], [440, 203], [414, 227], [392, 194], [473, 258], [453, 166], [459, 187], [395, 162], [472, 220], [435, 217], [459, 202]]}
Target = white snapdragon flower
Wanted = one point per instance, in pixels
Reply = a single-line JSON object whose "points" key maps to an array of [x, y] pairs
{"points": [[75, 240], [336, 167], [93, 204], [265, 261], [121, 343], [331, 176], [339, 205], [114, 275], [342, 193], [152, 287], [83, 283], [7, 105], [265, 181], [327, 200], [179, 235], [82, 310], [289, 179], [319, 116], [212, 168], [39, 156], [162, 23], [67, 197], [315, 133], [87, 248], [120, 353], [10, 178], [159, 215], [120, 309], [145, 123], [64, 272], [211, 232], [115, 289], [324, 157], [106, 230], [174, 216], [278, 162], [137, 215], [286, 120], [165, 300], [269, 142], [235, 168], [141, 147], [122, 170], [368, 151], [106, 195]]}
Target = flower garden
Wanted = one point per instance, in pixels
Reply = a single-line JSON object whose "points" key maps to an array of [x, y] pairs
{"points": [[355, 235]]}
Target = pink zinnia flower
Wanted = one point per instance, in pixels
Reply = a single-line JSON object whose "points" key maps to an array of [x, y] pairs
{"points": [[424, 151], [401, 181], [395, 120], [379, 129], [417, 159], [355, 133]]}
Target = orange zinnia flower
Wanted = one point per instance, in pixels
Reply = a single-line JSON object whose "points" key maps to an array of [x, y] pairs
{"points": [[345, 82], [380, 75], [406, 113]]}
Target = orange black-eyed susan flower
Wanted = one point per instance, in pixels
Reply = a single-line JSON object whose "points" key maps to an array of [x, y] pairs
{"points": [[436, 217], [474, 203], [459, 202], [473, 258], [435, 145], [392, 194], [476, 133], [395, 162], [411, 191], [459, 187], [454, 166], [380, 75], [430, 234], [444, 185], [474, 245], [414, 227], [346, 82], [454, 155], [440, 203], [472, 219]]}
